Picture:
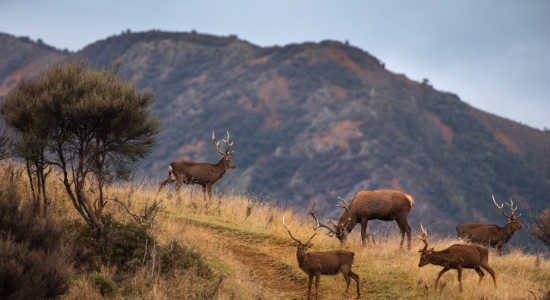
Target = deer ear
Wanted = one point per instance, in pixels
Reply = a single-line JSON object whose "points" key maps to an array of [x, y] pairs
{"points": [[296, 244], [310, 245], [431, 249]]}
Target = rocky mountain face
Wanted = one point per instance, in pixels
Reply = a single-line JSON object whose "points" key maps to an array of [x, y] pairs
{"points": [[317, 121]]}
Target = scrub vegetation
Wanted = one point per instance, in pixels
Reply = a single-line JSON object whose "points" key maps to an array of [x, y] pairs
{"points": [[211, 250]]}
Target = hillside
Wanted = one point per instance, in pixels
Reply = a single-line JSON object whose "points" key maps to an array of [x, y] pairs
{"points": [[315, 121], [217, 250]]}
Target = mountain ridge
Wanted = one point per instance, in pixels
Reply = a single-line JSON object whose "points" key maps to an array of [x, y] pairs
{"points": [[320, 120]]}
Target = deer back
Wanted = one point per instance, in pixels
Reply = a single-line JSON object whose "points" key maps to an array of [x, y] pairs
{"points": [[326, 263], [484, 234], [466, 256], [384, 205], [193, 172]]}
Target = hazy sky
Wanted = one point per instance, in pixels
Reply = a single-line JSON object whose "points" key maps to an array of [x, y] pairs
{"points": [[494, 54]]}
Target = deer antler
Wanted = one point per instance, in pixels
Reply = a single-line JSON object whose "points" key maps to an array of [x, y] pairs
{"points": [[288, 229], [216, 144], [424, 239], [312, 213], [511, 206], [345, 206], [501, 210], [314, 231], [228, 145]]}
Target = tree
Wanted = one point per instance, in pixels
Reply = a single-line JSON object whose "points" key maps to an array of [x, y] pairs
{"points": [[5, 141], [89, 123], [541, 227]]}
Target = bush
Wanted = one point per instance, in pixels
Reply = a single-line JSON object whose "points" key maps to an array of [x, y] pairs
{"points": [[105, 284], [541, 228], [179, 256], [34, 260], [122, 245]]}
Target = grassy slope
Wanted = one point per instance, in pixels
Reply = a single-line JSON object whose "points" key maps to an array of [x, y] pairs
{"points": [[255, 258]]}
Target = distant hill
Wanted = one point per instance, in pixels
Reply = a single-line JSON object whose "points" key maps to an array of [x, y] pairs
{"points": [[317, 121]]}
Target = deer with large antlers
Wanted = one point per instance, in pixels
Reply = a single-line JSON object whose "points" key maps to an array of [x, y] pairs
{"points": [[323, 263], [385, 205], [491, 235], [456, 257], [203, 174]]}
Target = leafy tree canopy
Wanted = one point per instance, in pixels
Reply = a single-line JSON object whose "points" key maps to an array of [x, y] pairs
{"points": [[88, 122]]}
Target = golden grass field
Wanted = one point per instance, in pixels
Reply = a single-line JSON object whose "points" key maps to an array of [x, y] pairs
{"points": [[254, 258]]}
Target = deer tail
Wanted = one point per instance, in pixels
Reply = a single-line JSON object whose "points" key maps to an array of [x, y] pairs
{"points": [[410, 199]]}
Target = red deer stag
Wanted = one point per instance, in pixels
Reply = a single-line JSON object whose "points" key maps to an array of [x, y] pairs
{"points": [[385, 205], [456, 257], [324, 263], [491, 235], [203, 174]]}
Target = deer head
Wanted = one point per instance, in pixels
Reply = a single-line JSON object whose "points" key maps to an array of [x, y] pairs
{"points": [[426, 255], [338, 230], [512, 221], [302, 247], [226, 159]]}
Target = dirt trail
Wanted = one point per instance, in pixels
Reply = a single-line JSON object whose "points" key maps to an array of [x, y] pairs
{"points": [[262, 257]]}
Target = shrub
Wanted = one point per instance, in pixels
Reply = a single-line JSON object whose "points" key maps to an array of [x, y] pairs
{"points": [[541, 229], [122, 245], [34, 260], [106, 286], [179, 256]]}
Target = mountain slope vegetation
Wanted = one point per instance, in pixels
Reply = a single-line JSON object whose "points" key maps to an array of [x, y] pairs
{"points": [[317, 121]]}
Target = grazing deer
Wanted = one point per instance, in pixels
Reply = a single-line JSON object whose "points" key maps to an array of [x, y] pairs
{"points": [[203, 174], [456, 257], [491, 235], [385, 205], [324, 263]]}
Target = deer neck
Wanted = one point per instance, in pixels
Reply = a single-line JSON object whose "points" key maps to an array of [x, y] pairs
{"points": [[344, 218], [507, 231], [302, 261], [221, 165], [439, 258]]}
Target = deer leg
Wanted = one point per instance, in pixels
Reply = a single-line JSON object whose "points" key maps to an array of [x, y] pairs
{"points": [[177, 189], [439, 276], [204, 191], [164, 183], [403, 226], [480, 273], [364, 234], [192, 189], [356, 278], [309, 285], [408, 230], [209, 189], [317, 279], [459, 269], [488, 269], [348, 281], [499, 250]]}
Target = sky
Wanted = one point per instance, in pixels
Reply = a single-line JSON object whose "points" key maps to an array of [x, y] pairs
{"points": [[495, 55]]}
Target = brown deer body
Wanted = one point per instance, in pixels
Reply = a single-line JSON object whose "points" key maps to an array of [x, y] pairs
{"points": [[385, 205], [491, 235], [456, 257], [315, 264], [203, 174]]}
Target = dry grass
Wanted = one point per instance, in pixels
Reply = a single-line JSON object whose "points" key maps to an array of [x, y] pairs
{"points": [[386, 271]]}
